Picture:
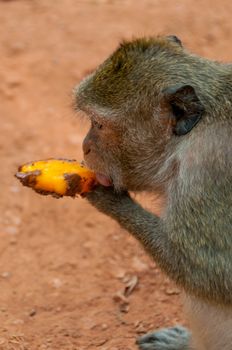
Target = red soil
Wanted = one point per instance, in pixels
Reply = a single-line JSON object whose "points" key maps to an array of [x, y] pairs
{"points": [[64, 265]]}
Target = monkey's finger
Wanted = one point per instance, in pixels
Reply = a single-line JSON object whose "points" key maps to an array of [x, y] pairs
{"points": [[104, 198], [58, 177], [105, 192]]}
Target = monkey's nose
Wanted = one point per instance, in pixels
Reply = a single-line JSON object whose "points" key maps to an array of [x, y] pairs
{"points": [[86, 146]]}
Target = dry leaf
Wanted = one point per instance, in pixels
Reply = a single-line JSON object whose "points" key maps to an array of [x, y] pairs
{"points": [[130, 286]]}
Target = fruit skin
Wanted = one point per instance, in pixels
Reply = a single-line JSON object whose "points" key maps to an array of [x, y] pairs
{"points": [[58, 177]]}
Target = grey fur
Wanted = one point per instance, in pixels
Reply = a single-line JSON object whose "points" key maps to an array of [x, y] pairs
{"points": [[175, 338], [137, 148]]}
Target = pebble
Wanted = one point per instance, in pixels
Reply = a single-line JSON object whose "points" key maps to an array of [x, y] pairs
{"points": [[119, 297], [2, 341], [13, 241], [16, 48], [5, 274], [139, 265], [12, 230], [104, 326], [57, 283], [32, 313], [9, 94], [18, 321], [13, 81], [173, 291], [12, 219], [16, 220], [14, 189], [118, 273], [75, 139]]}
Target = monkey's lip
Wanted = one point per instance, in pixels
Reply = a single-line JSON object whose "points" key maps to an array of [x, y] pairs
{"points": [[103, 180]]}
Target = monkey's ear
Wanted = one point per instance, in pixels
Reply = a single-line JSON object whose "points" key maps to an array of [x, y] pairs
{"points": [[174, 39], [186, 107]]}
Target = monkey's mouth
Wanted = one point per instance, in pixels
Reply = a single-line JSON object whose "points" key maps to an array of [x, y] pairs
{"points": [[104, 180], [101, 178]]}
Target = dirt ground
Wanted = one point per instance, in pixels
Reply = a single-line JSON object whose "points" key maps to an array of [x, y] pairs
{"points": [[63, 266]]}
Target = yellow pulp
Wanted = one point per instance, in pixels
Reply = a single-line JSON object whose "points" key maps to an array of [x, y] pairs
{"points": [[52, 179]]}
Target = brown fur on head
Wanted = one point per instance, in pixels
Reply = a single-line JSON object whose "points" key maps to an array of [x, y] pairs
{"points": [[141, 101]]}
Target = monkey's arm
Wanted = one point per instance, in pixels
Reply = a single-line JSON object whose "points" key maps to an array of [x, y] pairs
{"points": [[145, 226], [195, 263]]}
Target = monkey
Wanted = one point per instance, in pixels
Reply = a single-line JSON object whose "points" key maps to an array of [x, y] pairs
{"points": [[161, 122]]}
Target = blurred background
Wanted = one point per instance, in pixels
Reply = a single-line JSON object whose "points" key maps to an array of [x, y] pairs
{"points": [[70, 278]]}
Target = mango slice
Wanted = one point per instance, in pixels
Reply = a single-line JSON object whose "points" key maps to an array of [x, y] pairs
{"points": [[58, 177]]}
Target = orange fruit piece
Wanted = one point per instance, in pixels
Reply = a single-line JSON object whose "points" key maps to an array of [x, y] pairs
{"points": [[58, 177]]}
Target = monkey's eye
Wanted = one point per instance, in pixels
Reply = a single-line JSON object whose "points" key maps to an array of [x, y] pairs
{"points": [[96, 124]]}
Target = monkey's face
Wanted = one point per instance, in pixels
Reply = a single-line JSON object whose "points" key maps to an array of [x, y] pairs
{"points": [[124, 146], [133, 119], [103, 152], [126, 156]]}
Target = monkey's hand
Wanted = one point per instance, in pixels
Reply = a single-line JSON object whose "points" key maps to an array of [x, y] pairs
{"points": [[110, 202], [145, 226]]}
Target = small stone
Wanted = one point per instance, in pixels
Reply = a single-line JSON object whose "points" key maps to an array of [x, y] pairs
{"points": [[2, 341], [140, 329], [16, 47], [88, 323], [124, 307], [43, 347], [137, 323], [18, 321], [12, 230], [138, 265], [119, 297], [57, 283], [118, 273], [14, 189], [32, 313], [131, 285], [16, 220], [13, 81], [75, 139], [172, 291], [13, 241], [5, 274], [88, 244], [115, 237], [89, 224], [9, 94]]}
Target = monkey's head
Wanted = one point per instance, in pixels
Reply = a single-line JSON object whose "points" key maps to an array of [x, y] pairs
{"points": [[140, 101]]}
